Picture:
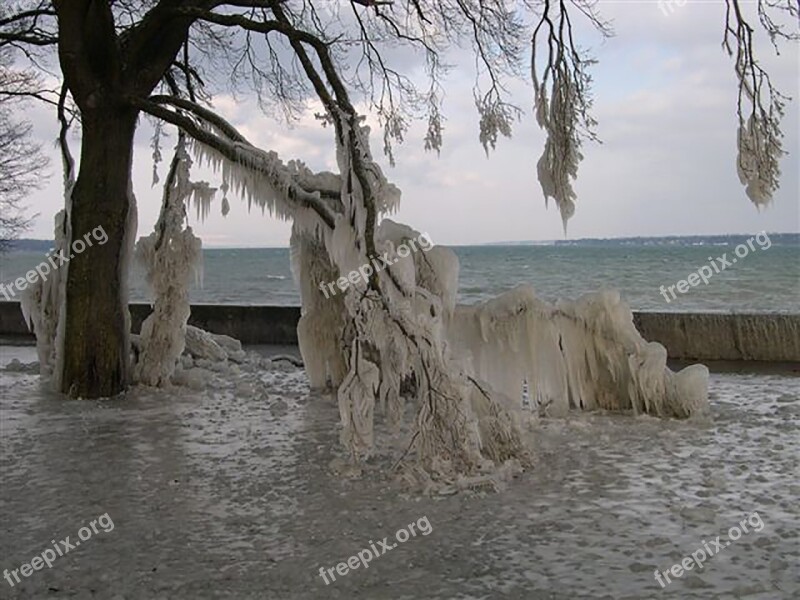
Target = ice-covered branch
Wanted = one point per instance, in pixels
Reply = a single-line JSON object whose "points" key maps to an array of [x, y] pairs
{"points": [[169, 255], [562, 101], [760, 106], [261, 176]]}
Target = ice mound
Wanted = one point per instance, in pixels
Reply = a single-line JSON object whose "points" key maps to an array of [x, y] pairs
{"points": [[581, 355]]}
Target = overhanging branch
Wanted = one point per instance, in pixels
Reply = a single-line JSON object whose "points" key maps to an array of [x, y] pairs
{"points": [[205, 114], [37, 95], [228, 148]]}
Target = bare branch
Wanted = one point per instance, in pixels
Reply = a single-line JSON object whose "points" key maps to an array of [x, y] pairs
{"points": [[22, 164]]}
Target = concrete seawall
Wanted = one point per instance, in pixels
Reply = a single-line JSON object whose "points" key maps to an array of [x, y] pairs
{"points": [[687, 336], [721, 336]]}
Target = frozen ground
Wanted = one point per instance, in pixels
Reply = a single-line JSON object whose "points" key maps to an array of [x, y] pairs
{"points": [[228, 494]]}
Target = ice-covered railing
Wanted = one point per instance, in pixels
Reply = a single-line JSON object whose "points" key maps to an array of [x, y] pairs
{"points": [[583, 355]]}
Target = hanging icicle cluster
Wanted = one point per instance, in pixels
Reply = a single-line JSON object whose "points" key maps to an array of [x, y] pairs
{"points": [[321, 329], [760, 107], [170, 255], [562, 103], [392, 340], [758, 159]]}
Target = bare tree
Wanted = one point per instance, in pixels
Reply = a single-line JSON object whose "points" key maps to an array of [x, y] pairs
{"points": [[22, 163]]}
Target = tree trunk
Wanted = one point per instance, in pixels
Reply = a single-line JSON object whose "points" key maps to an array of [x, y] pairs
{"points": [[102, 71], [96, 349]]}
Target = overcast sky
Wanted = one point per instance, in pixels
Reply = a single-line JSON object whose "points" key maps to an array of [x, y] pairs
{"points": [[665, 99]]}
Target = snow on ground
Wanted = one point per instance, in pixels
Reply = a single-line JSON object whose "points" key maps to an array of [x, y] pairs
{"points": [[228, 494]]}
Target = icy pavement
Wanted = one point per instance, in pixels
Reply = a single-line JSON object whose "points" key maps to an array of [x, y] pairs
{"points": [[228, 494]]}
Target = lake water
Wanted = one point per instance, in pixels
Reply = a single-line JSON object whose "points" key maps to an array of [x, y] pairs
{"points": [[765, 280]]}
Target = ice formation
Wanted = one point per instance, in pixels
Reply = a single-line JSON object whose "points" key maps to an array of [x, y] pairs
{"points": [[397, 334], [262, 179], [43, 304], [473, 363], [582, 355], [320, 330], [757, 164], [392, 340], [170, 255], [402, 335], [558, 165], [201, 344]]}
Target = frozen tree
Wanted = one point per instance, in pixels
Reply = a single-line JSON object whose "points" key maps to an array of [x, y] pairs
{"points": [[163, 57], [22, 164], [396, 333]]}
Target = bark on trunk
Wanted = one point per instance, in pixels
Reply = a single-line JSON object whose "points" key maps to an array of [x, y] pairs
{"points": [[96, 341], [102, 70]]}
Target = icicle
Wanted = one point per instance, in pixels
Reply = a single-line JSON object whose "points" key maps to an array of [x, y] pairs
{"points": [[560, 117], [155, 144], [198, 266], [757, 160], [320, 331], [226, 206], [259, 177]]}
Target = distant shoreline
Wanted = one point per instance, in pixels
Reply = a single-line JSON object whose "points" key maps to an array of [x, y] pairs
{"points": [[782, 239]]}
